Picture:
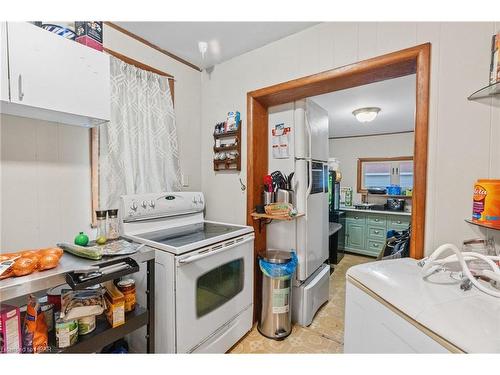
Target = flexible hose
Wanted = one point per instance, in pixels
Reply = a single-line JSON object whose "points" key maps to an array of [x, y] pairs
{"points": [[431, 263]]}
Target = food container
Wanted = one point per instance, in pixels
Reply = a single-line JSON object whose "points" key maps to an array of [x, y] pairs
{"points": [[89, 33], [127, 287], [486, 202], [54, 296], [48, 310], [393, 190], [76, 304], [115, 305], [66, 332], [10, 329], [66, 30], [86, 324]]}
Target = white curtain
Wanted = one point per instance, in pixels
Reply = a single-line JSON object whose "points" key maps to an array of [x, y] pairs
{"points": [[138, 148]]}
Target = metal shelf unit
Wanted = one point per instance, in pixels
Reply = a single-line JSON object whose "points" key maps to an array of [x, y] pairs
{"points": [[13, 288]]}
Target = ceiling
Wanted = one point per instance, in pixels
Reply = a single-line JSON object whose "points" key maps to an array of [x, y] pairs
{"points": [[225, 39], [395, 98]]}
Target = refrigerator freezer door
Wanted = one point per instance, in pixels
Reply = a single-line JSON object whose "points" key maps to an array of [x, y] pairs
{"points": [[317, 117], [308, 297], [312, 230]]}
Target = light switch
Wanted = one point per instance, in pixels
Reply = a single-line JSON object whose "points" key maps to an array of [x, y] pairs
{"points": [[185, 180]]}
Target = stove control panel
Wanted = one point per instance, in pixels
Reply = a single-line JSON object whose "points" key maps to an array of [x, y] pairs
{"points": [[144, 206]]}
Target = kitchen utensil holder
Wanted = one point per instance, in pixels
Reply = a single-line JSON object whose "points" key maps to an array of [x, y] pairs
{"points": [[267, 197]]}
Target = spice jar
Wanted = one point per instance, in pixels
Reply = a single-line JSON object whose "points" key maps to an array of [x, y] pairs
{"points": [[127, 287], [113, 225], [101, 227]]}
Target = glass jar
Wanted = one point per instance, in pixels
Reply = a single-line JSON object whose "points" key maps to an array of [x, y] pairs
{"points": [[101, 227], [127, 287], [113, 225]]}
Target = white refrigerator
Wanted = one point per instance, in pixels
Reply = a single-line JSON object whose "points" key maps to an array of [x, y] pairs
{"points": [[306, 155]]}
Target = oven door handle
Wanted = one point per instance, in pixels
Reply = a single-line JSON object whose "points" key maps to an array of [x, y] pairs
{"points": [[194, 258]]}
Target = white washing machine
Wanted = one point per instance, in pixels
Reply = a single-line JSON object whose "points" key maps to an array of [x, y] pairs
{"points": [[391, 309]]}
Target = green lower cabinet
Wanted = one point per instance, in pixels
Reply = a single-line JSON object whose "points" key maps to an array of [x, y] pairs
{"points": [[365, 233], [355, 236]]}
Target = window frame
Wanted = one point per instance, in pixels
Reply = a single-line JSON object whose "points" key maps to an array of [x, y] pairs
{"points": [[359, 184]]}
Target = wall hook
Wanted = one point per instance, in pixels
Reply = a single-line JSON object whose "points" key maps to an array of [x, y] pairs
{"points": [[243, 187]]}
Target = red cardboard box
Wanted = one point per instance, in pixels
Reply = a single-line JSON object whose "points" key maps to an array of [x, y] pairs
{"points": [[89, 33]]}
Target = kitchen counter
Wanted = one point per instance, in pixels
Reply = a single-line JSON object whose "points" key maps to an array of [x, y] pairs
{"points": [[385, 212], [333, 228], [14, 287]]}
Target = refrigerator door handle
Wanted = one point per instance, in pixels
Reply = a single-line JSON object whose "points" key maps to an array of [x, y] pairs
{"points": [[309, 134], [309, 174]]}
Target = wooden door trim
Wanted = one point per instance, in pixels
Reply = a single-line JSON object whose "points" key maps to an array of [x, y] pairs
{"points": [[392, 65]]}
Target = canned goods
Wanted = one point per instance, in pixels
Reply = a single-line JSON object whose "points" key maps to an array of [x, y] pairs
{"points": [[86, 324], [127, 287], [54, 296], [66, 332]]}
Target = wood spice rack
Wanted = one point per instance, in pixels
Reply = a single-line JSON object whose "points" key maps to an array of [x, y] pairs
{"points": [[233, 164]]}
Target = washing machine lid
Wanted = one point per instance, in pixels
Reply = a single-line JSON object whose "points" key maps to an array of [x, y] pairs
{"points": [[468, 320]]}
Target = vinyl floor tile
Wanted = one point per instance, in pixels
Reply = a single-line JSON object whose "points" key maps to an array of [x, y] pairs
{"points": [[324, 335]]}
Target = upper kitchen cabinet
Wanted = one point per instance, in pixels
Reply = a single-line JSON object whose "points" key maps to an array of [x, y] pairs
{"points": [[4, 66], [55, 79]]}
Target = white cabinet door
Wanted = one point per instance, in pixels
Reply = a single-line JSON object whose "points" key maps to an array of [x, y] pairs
{"points": [[4, 69], [50, 72]]}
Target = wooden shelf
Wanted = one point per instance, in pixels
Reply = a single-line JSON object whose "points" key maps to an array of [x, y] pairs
{"points": [[229, 164], [484, 225], [228, 148], [226, 134], [257, 216]]}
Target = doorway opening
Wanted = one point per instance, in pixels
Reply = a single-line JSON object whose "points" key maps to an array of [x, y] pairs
{"points": [[414, 60]]}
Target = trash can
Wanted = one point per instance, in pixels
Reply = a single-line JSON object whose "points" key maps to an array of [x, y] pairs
{"points": [[277, 268]]}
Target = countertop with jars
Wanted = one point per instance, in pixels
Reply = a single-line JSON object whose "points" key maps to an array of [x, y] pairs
{"points": [[14, 287]]}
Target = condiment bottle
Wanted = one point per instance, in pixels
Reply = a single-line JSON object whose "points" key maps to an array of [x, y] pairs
{"points": [[101, 226], [113, 225]]}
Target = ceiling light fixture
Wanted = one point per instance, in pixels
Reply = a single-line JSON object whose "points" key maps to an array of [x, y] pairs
{"points": [[366, 114], [203, 47]]}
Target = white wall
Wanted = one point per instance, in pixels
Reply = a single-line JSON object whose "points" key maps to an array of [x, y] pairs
{"points": [[463, 136], [45, 167], [349, 150]]}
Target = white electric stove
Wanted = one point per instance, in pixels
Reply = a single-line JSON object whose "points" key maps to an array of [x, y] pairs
{"points": [[204, 271]]}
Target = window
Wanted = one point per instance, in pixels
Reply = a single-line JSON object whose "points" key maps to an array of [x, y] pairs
{"points": [[382, 172]]}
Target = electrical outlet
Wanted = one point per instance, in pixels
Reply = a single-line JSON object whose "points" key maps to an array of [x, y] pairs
{"points": [[185, 180]]}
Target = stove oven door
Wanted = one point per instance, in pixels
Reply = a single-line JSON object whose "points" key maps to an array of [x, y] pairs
{"points": [[213, 285]]}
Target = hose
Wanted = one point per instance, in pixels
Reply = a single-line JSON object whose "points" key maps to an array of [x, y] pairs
{"points": [[431, 264]]}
